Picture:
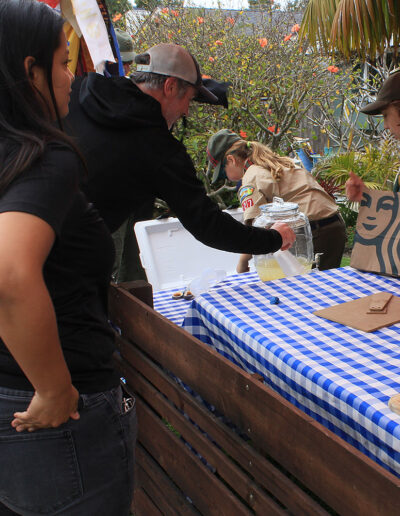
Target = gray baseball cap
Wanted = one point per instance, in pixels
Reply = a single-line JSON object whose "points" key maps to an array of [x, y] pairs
{"points": [[389, 92], [175, 61], [125, 46]]}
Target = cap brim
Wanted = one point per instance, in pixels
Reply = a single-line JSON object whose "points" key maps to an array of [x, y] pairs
{"points": [[205, 95], [375, 108], [214, 171], [219, 89], [127, 56], [218, 172]]}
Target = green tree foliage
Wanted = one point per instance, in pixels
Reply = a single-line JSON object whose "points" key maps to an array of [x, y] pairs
{"points": [[261, 4], [376, 165], [118, 7], [296, 5], [275, 81], [368, 27], [149, 5]]}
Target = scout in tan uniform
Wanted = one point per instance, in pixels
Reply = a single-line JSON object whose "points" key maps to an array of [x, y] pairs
{"points": [[265, 175]]}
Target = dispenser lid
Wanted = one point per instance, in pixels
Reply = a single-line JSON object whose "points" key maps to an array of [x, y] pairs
{"points": [[278, 205]]}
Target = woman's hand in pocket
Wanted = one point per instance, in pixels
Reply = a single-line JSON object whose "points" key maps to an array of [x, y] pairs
{"points": [[48, 410]]}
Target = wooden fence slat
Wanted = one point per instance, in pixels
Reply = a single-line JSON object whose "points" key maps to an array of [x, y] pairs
{"points": [[246, 488], [343, 477], [208, 493], [166, 496], [267, 475], [141, 289], [143, 505]]}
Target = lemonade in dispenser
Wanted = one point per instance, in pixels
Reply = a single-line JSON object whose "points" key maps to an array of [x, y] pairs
{"points": [[299, 258]]}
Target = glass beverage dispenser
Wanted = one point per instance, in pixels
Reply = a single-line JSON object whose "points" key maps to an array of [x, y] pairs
{"points": [[299, 258]]}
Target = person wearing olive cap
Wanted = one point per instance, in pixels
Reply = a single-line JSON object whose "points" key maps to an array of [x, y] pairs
{"points": [[126, 53], [123, 130], [125, 49], [265, 175], [387, 104]]}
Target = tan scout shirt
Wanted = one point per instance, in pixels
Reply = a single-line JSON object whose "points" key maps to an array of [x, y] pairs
{"points": [[297, 186]]}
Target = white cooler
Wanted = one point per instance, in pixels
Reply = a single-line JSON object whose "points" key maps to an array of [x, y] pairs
{"points": [[172, 257]]}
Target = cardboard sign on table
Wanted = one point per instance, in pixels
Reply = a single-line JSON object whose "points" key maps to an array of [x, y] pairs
{"points": [[357, 314], [377, 239]]}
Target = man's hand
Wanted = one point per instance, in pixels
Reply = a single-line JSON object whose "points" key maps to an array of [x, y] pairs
{"points": [[48, 411], [354, 187], [287, 234]]}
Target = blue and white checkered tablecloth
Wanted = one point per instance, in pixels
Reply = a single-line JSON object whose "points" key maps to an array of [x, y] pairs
{"points": [[340, 376], [176, 309]]}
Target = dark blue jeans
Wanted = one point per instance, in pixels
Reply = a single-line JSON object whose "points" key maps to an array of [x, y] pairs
{"points": [[81, 468]]}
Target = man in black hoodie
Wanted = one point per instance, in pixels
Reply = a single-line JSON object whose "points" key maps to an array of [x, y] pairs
{"points": [[123, 127]]}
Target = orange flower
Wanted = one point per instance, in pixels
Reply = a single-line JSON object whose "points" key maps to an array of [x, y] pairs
{"points": [[175, 13], [243, 134], [211, 59], [218, 42], [200, 20], [231, 21], [296, 27], [170, 35], [333, 69], [117, 17], [165, 10], [51, 3], [271, 129], [269, 111], [263, 42], [286, 38], [206, 76]]}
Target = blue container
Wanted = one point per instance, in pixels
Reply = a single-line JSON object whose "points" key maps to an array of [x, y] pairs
{"points": [[306, 161]]}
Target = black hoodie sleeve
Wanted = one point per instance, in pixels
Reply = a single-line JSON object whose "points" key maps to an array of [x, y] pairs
{"points": [[132, 157], [177, 184]]}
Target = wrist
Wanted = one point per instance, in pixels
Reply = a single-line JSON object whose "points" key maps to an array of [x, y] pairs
{"points": [[57, 390]]}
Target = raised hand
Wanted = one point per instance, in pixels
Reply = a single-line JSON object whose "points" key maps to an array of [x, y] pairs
{"points": [[354, 187]]}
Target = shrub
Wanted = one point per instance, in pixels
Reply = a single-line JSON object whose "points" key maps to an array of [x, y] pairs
{"points": [[377, 166]]}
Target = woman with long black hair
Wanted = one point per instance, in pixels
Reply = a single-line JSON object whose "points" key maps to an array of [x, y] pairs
{"points": [[66, 431]]}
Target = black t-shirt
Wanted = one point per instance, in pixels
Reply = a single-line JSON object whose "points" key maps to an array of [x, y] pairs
{"points": [[76, 272]]}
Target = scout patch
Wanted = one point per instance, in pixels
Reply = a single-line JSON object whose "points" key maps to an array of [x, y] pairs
{"points": [[245, 191], [247, 203]]}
